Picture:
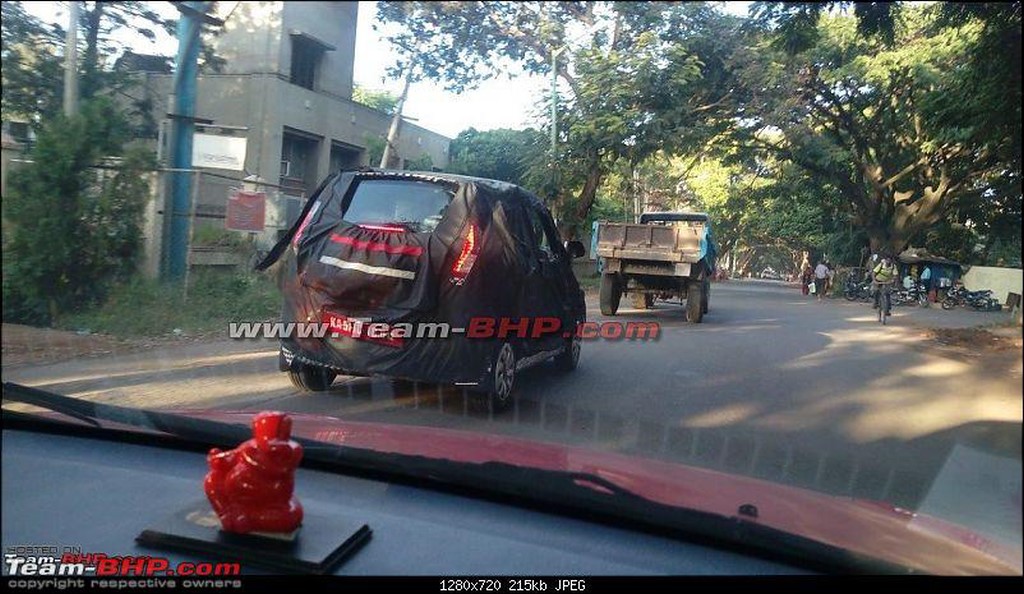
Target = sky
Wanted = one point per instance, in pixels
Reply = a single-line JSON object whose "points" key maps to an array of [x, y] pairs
{"points": [[501, 102]]}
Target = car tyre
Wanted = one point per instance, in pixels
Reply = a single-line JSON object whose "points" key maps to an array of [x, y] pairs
{"points": [[569, 359], [310, 378], [503, 378]]}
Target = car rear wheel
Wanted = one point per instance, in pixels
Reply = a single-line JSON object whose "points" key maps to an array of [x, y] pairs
{"points": [[568, 359], [611, 294], [695, 302], [310, 378], [503, 378]]}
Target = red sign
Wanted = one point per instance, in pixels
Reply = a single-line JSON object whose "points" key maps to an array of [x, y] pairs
{"points": [[246, 211]]}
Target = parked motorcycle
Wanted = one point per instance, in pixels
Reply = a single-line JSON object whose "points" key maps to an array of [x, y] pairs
{"points": [[855, 290], [917, 294], [978, 300]]}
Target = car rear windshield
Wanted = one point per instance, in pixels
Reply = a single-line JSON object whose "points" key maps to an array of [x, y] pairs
{"points": [[416, 205]]}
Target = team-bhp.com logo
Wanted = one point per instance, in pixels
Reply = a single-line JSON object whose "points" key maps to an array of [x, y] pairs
{"points": [[334, 325], [69, 562]]}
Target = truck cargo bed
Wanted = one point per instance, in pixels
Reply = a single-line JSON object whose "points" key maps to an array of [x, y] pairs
{"points": [[662, 243]]}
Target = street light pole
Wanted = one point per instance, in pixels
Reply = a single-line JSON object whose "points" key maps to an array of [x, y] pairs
{"points": [[554, 101], [71, 62], [554, 121]]}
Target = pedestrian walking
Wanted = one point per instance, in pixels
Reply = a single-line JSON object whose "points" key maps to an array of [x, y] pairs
{"points": [[820, 278], [805, 279], [926, 282]]}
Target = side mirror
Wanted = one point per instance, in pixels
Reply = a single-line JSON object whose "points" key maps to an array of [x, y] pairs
{"points": [[575, 249]]}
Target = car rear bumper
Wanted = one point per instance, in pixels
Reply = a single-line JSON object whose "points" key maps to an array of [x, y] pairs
{"points": [[454, 359]]}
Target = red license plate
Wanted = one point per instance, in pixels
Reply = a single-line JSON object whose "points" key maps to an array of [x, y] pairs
{"points": [[378, 332]]}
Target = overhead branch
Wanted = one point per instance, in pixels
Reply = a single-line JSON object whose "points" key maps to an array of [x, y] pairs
{"points": [[544, 52]]}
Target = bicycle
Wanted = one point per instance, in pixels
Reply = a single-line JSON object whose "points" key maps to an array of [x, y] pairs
{"points": [[884, 302]]}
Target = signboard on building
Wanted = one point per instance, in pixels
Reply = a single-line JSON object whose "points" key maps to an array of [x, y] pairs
{"points": [[218, 151], [247, 211]]}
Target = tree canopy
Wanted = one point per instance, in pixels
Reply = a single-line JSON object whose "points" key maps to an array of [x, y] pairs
{"points": [[496, 154], [839, 126], [637, 78], [898, 126], [380, 100]]}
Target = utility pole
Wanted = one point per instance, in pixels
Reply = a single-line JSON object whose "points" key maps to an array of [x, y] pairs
{"points": [[554, 101], [636, 193], [71, 62], [390, 150], [554, 123], [186, 71]]}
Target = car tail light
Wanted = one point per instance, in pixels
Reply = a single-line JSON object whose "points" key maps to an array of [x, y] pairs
{"points": [[467, 257]]}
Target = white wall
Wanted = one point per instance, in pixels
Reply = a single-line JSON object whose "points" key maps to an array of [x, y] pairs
{"points": [[333, 23], [1002, 281], [251, 40]]}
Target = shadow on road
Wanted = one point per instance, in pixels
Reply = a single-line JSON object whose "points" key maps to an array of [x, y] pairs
{"points": [[771, 385]]}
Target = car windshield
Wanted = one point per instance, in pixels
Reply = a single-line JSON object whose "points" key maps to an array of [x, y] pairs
{"points": [[416, 205], [622, 256]]}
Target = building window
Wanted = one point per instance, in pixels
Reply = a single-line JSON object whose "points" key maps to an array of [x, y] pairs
{"points": [[298, 163], [344, 157], [306, 57]]}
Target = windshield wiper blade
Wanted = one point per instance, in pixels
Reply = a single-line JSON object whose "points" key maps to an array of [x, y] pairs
{"points": [[66, 411], [94, 412]]}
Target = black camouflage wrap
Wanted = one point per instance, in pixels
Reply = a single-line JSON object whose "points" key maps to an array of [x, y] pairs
{"points": [[507, 280]]}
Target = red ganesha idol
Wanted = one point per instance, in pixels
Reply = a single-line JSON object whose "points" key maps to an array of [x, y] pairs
{"points": [[251, 487]]}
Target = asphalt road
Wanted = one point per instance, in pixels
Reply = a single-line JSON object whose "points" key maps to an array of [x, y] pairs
{"points": [[772, 384]]}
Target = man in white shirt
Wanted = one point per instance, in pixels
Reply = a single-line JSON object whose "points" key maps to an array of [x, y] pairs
{"points": [[820, 278]]}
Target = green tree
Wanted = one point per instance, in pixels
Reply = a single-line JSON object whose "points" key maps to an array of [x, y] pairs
{"points": [[900, 123], [648, 76], [495, 154], [380, 100], [33, 52], [32, 83], [422, 163], [374, 148], [69, 232]]}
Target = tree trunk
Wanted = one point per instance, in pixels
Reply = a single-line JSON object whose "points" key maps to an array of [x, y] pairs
{"points": [[585, 200], [892, 217]]}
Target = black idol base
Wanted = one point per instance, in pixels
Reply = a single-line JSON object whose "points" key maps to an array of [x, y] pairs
{"points": [[317, 547]]}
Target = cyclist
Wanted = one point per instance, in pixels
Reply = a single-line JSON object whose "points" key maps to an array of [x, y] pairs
{"points": [[883, 276]]}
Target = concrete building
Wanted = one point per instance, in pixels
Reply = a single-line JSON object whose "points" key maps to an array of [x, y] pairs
{"points": [[287, 88]]}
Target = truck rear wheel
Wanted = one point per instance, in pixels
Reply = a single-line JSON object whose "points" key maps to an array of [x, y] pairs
{"points": [[706, 297], [695, 302], [611, 294]]}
